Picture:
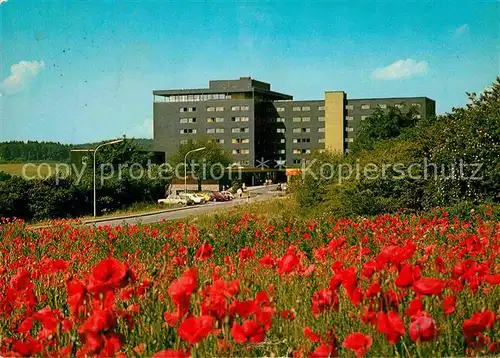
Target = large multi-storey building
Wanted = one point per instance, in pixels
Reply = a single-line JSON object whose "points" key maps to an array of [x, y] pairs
{"points": [[258, 125]]}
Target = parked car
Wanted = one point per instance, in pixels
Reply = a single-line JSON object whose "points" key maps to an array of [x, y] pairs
{"points": [[175, 200], [216, 196], [227, 194], [192, 197], [204, 197]]}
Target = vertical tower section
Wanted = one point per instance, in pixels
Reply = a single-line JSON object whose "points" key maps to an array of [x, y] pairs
{"points": [[334, 120]]}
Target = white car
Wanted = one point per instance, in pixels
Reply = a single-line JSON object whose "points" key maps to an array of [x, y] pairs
{"points": [[173, 200], [192, 197]]}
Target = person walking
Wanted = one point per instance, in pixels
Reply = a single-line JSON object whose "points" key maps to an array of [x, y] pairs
{"points": [[239, 192]]}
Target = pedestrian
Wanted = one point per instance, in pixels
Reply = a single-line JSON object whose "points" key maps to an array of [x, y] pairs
{"points": [[243, 186], [248, 197], [239, 192]]}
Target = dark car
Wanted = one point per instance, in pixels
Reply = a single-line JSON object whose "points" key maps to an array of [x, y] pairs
{"points": [[216, 196]]}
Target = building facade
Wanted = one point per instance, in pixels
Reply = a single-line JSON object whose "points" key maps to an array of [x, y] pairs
{"points": [[261, 127]]}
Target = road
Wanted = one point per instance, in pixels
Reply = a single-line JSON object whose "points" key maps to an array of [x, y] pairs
{"points": [[263, 193]]}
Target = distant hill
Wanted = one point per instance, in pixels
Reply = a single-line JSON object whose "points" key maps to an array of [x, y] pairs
{"points": [[35, 151]]}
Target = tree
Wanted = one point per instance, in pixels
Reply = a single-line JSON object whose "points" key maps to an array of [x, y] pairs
{"points": [[382, 125], [206, 164]]}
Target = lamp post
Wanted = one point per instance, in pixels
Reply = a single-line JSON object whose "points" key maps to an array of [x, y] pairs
{"points": [[185, 167], [95, 151]]}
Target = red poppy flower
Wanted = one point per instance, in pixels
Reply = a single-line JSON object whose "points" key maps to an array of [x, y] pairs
{"points": [[323, 351], [449, 303], [29, 348], [243, 308], [423, 328], [479, 322], [311, 336], [181, 289], [99, 321], [288, 263], [267, 261], [195, 329], [204, 252], [391, 325], [107, 275], [171, 353], [414, 307], [287, 314], [358, 343], [248, 331], [428, 286], [407, 275], [322, 300], [76, 294]]}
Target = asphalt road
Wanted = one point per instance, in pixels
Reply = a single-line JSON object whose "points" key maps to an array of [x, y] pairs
{"points": [[262, 194]]}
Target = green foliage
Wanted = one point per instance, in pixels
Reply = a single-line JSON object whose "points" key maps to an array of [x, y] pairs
{"points": [[422, 162], [31, 151], [4, 176], [382, 125], [202, 164]]}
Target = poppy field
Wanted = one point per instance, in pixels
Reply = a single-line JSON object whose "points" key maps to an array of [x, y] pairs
{"points": [[392, 285]]}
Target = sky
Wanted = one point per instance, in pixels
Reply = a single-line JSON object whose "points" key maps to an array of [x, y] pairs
{"points": [[79, 71]]}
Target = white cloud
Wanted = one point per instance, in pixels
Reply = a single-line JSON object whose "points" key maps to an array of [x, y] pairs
{"points": [[144, 130], [401, 69], [462, 29], [2, 1], [20, 75]]}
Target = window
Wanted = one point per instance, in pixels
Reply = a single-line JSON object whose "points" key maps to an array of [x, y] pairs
{"points": [[210, 120], [188, 131], [281, 151], [349, 129], [321, 119], [306, 108], [296, 130], [235, 108], [349, 106], [296, 151], [321, 108], [210, 109], [210, 130], [245, 162], [245, 151], [192, 109], [296, 119], [306, 119], [282, 140], [321, 140], [219, 130], [219, 119], [183, 141], [321, 130], [240, 140], [236, 151], [239, 130], [418, 105], [296, 161], [244, 107], [349, 140], [280, 130], [220, 141], [382, 106], [306, 151], [219, 109], [280, 109], [280, 120], [183, 109], [295, 140], [349, 118], [399, 105], [364, 117], [187, 120], [245, 119], [365, 106], [296, 109]]}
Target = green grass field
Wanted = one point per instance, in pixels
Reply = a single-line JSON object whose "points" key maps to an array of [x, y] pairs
{"points": [[38, 170]]}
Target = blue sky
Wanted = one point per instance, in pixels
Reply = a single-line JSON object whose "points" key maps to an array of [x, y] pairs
{"points": [[78, 71]]}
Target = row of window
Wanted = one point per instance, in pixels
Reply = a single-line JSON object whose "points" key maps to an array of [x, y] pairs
{"points": [[301, 151], [196, 97], [241, 151], [242, 107], [382, 106], [300, 108], [214, 130], [300, 130], [351, 118], [214, 120]]}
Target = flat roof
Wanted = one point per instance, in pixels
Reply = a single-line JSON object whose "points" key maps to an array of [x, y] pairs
{"points": [[174, 92]]}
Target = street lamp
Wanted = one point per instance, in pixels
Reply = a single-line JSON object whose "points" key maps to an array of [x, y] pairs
{"points": [[95, 151], [185, 167]]}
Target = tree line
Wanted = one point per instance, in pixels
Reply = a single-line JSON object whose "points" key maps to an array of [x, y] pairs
{"points": [[35, 151]]}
